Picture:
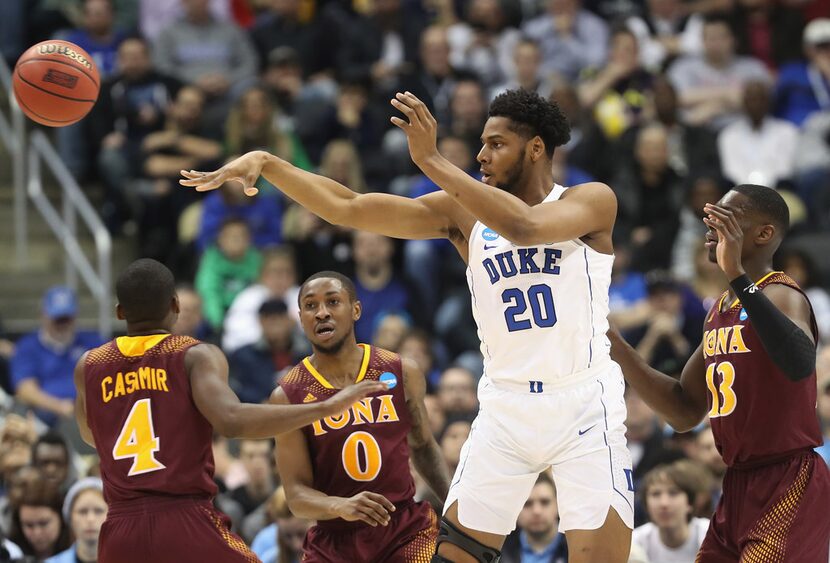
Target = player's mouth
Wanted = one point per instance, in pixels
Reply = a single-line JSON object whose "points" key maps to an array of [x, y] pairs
{"points": [[484, 176], [324, 330]]}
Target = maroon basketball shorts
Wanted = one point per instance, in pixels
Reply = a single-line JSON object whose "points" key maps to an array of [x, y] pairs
{"points": [[774, 513], [408, 538], [169, 530]]}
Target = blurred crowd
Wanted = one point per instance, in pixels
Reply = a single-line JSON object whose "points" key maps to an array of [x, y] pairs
{"points": [[670, 103]]}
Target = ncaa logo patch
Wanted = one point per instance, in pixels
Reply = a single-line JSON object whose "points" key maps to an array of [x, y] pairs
{"points": [[742, 315], [389, 379], [489, 234]]}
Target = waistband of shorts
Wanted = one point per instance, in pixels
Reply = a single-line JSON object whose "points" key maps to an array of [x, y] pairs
{"points": [[772, 459], [340, 525], [575, 379], [155, 503]]}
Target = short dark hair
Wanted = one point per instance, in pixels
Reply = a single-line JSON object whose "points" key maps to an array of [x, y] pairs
{"points": [[50, 438], [767, 203], [274, 306], [348, 284], [533, 115], [680, 475], [144, 290]]}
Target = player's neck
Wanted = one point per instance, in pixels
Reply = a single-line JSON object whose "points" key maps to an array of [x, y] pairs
{"points": [[145, 330], [537, 188], [339, 368], [675, 537], [754, 271]]}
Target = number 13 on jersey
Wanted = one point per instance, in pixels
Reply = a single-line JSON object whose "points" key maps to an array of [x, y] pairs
{"points": [[138, 441]]}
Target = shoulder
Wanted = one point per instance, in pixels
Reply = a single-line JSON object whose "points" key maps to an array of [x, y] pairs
{"points": [[593, 193], [28, 342]]}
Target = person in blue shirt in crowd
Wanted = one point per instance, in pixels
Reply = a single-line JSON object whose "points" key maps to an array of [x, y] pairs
{"points": [[803, 87], [537, 538], [44, 360]]}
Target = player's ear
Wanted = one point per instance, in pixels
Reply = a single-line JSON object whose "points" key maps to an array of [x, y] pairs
{"points": [[765, 234], [357, 310], [119, 312], [174, 304], [537, 148]]}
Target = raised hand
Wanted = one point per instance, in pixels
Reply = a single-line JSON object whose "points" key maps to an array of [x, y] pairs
{"points": [[371, 508], [245, 169], [421, 128], [352, 394], [730, 239]]}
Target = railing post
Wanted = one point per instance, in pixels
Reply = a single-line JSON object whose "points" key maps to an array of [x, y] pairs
{"points": [[70, 221], [21, 241]]}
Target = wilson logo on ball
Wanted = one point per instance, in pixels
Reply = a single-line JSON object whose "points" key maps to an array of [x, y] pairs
{"points": [[60, 78], [52, 49]]}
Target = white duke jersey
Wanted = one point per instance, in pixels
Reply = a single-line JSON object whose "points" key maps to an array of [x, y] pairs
{"points": [[541, 310]]}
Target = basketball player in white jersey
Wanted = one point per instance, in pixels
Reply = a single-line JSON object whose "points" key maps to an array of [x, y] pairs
{"points": [[539, 265]]}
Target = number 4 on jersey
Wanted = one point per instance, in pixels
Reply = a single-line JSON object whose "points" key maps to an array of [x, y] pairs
{"points": [[138, 441]]}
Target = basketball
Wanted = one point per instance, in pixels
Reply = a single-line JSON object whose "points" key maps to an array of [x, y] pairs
{"points": [[56, 83]]}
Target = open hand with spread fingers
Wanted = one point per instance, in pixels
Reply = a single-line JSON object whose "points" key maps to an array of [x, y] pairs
{"points": [[245, 169], [730, 238], [420, 126]]}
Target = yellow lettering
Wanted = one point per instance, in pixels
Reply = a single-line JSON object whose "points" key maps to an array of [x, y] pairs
{"points": [[387, 412], [119, 385], [723, 338], [362, 411], [106, 394], [132, 381], [339, 421], [318, 428], [161, 380], [737, 345], [709, 344], [144, 377]]}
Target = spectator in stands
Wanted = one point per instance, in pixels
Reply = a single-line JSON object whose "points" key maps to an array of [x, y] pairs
{"points": [[262, 213], [156, 15], [812, 165], [674, 535], [85, 510], [191, 321], [277, 280], [528, 74], [132, 104], [318, 245], [50, 454], [588, 149], [572, 38], [37, 526], [436, 415], [18, 477], [758, 148], [617, 90], [300, 102], [290, 532], [705, 451], [390, 329], [417, 346], [769, 31], [537, 537], [468, 112], [254, 123], [801, 266], [184, 144], [803, 87], [668, 29], [225, 269], [649, 197], [457, 392], [704, 189], [44, 360], [255, 368], [455, 433], [214, 55], [710, 86], [484, 42], [378, 289], [258, 458]]}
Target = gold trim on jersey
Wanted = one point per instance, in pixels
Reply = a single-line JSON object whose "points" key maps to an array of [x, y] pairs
{"points": [[132, 346], [324, 382]]}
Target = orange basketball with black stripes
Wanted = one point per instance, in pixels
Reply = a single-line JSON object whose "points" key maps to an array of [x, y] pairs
{"points": [[56, 83]]}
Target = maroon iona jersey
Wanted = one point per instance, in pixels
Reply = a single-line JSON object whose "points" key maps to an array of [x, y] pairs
{"points": [[756, 412], [365, 448], [151, 438]]}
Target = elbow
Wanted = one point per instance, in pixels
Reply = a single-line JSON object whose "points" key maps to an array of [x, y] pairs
{"points": [[523, 231], [685, 422], [229, 425]]}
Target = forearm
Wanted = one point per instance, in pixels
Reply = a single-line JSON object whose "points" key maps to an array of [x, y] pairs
{"points": [[256, 422], [591, 91], [499, 210], [790, 349], [662, 393], [30, 393], [203, 149], [167, 166], [431, 466], [312, 504], [646, 346]]}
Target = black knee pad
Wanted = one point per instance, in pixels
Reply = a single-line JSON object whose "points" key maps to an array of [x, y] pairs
{"points": [[449, 533]]}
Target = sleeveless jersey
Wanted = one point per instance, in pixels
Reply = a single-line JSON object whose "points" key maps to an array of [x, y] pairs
{"points": [[151, 438], [756, 412], [541, 310], [365, 448]]}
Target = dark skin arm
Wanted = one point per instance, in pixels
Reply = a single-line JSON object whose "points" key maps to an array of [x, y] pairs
{"points": [[682, 403], [297, 474], [426, 455], [80, 401], [208, 370]]}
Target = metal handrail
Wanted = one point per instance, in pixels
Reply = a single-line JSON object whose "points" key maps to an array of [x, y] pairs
{"points": [[13, 135], [74, 200]]}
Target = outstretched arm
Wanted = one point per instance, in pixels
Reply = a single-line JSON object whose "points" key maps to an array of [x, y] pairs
{"points": [[591, 209], [208, 371], [305, 501], [682, 403], [426, 455], [395, 216]]}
